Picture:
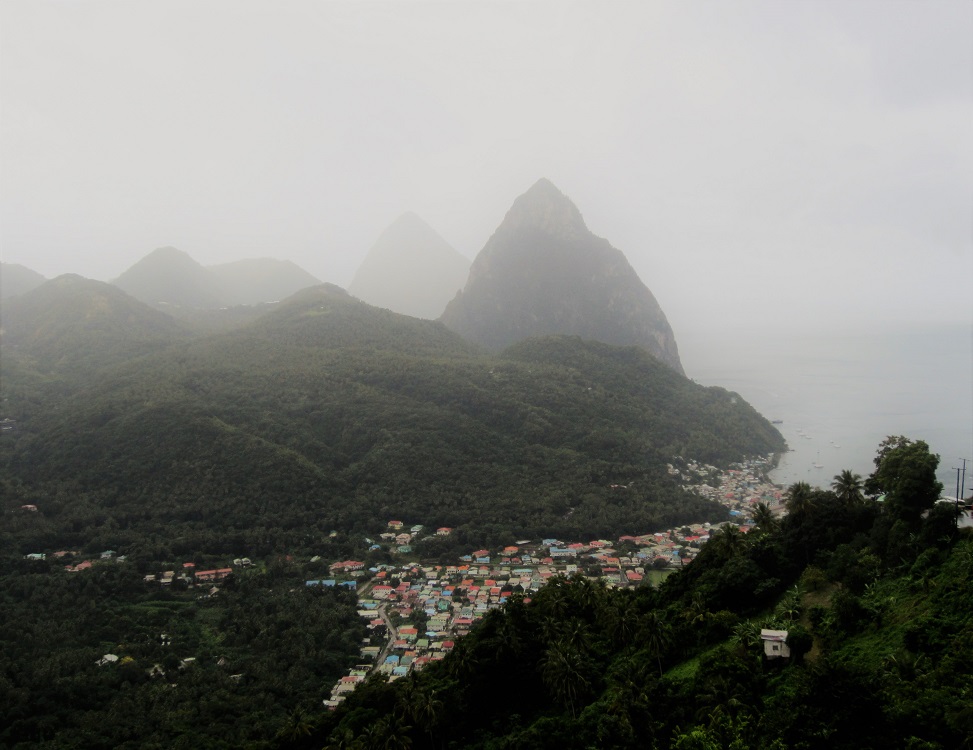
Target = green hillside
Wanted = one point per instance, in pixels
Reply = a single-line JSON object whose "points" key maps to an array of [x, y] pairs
{"points": [[878, 619], [327, 413], [74, 326], [293, 437]]}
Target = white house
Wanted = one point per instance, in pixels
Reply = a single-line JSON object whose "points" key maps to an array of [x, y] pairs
{"points": [[775, 644]]}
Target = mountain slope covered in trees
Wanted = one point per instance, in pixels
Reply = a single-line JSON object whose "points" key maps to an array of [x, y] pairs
{"points": [[328, 413], [875, 603]]}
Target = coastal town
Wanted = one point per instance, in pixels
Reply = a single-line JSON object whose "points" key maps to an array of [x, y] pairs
{"points": [[415, 612]]}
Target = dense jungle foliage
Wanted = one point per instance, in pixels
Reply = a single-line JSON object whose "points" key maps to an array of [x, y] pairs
{"points": [[193, 670], [328, 414], [876, 603]]}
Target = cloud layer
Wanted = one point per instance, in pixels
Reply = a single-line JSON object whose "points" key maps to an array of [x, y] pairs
{"points": [[758, 162]]}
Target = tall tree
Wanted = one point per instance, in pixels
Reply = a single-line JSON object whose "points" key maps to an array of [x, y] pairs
{"points": [[848, 486], [906, 473], [657, 636], [763, 518], [728, 542], [565, 674], [800, 499]]}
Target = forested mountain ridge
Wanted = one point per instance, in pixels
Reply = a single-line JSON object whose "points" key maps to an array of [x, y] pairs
{"points": [[329, 413], [295, 436], [75, 324], [543, 272]]}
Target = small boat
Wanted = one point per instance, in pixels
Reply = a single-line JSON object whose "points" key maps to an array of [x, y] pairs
{"points": [[777, 421]]}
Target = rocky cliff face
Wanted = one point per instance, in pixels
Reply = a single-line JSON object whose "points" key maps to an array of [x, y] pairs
{"points": [[543, 272], [410, 270]]}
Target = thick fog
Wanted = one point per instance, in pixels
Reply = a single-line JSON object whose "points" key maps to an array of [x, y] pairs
{"points": [[762, 164]]}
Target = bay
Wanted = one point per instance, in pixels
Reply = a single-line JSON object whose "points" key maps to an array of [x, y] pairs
{"points": [[839, 394]]}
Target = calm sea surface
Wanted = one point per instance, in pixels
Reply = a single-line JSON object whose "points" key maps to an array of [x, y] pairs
{"points": [[839, 396]]}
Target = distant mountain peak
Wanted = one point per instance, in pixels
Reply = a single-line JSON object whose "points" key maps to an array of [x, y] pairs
{"points": [[546, 208], [169, 251], [16, 279], [71, 323], [410, 269], [544, 273], [172, 278], [168, 276]]}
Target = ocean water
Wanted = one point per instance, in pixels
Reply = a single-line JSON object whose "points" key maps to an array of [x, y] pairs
{"points": [[838, 395]]}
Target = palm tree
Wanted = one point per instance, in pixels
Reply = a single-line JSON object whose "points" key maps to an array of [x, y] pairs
{"points": [[562, 670], [387, 733], [763, 518], [658, 636], [622, 622], [848, 487], [554, 597], [728, 541], [297, 725], [422, 706], [697, 612], [345, 741], [585, 592], [461, 661], [800, 499]]}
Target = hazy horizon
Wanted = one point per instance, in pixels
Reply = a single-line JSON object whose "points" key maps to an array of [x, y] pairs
{"points": [[761, 165]]}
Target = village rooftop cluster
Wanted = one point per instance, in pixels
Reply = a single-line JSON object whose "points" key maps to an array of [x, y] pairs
{"points": [[450, 599], [415, 613]]}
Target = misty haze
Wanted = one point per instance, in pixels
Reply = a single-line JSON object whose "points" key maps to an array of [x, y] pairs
{"points": [[480, 375]]}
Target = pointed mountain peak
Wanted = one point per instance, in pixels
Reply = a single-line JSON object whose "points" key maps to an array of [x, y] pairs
{"points": [[543, 273], [168, 276], [546, 208], [410, 269], [168, 251], [170, 256], [409, 219], [162, 257]]}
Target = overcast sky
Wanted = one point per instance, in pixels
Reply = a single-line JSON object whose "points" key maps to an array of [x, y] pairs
{"points": [[768, 162]]}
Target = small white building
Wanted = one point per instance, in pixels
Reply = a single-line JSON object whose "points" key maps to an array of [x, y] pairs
{"points": [[775, 644]]}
